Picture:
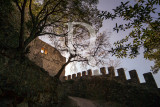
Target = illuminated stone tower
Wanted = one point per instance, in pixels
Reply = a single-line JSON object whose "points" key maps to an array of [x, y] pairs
{"points": [[46, 56]]}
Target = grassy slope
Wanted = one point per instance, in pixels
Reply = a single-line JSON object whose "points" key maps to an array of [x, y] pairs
{"points": [[26, 80]]}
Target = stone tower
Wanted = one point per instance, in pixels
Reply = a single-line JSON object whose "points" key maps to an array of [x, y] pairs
{"points": [[46, 56]]}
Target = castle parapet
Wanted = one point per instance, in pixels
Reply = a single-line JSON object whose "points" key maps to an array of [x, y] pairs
{"points": [[96, 72], [89, 72], [121, 74], [134, 76], [111, 71], [150, 82], [79, 75], [103, 70], [65, 78], [69, 77], [83, 73], [73, 76]]}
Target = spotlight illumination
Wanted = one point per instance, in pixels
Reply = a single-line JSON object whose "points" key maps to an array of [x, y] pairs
{"points": [[45, 52], [42, 50]]}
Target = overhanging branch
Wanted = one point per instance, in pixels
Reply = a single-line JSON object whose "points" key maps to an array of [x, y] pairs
{"points": [[54, 34], [30, 11], [18, 5]]}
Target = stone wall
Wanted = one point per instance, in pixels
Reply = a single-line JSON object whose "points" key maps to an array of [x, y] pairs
{"points": [[46, 57], [117, 89], [149, 79]]}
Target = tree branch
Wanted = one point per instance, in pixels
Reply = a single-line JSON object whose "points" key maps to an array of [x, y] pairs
{"points": [[21, 36], [18, 5], [79, 61], [30, 11], [54, 34], [53, 10], [44, 7]]}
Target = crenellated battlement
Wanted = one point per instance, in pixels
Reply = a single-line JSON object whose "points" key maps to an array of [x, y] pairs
{"points": [[134, 79]]}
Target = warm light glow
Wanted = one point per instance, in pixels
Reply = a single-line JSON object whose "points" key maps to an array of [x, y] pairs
{"points": [[45, 52], [42, 50]]}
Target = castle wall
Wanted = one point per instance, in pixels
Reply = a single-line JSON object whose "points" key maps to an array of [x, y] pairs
{"points": [[111, 88], [150, 82], [46, 57]]}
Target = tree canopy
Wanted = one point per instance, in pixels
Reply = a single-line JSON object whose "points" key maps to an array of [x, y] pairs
{"points": [[33, 19], [81, 51], [9, 24], [143, 18]]}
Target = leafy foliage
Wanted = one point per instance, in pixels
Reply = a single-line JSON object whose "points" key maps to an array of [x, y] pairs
{"points": [[43, 18], [34, 19], [25, 20], [143, 18], [9, 20]]}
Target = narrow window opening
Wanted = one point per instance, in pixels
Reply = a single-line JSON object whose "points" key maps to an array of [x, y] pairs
{"points": [[42, 50], [45, 52]]}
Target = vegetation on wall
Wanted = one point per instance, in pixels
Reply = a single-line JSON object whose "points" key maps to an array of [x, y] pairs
{"points": [[26, 81]]}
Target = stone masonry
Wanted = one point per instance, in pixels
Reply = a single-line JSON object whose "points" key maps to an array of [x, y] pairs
{"points": [[150, 82], [46, 56]]}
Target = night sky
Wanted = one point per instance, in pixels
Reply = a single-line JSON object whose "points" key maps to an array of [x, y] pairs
{"points": [[140, 64]]}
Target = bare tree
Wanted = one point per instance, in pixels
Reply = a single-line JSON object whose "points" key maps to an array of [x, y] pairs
{"points": [[81, 52], [114, 63]]}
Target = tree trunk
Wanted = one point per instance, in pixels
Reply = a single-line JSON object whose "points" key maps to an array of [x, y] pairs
{"points": [[22, 27], [61, 70], [63, 67], [29, 40]]}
